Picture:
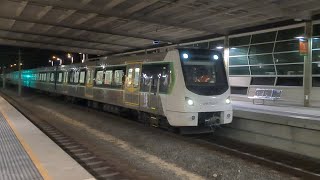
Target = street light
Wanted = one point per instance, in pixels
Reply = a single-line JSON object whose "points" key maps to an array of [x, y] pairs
{"points": [[60, 61], [55, 58], [51, 61], [70, 57]]}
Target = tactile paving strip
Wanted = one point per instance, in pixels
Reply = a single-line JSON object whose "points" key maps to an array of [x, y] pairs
{"points": [[15, 163]]}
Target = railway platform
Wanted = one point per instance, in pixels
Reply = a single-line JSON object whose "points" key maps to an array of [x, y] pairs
{"points": [[298, 112], [27, 153], [289, 128]]}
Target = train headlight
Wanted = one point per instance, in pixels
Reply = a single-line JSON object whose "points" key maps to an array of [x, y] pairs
{"points": [[228, 100], [185, 56], [189, 101], [215, 57]]}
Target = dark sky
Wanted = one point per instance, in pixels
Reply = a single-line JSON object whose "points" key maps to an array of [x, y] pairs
{"points": [[31, 58]]}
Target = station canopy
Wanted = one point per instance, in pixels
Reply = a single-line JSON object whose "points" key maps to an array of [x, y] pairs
{"points": [[110, 26]]}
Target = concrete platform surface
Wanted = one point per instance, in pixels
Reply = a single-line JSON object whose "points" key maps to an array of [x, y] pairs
{"points": [[283, 110], [27, 153]]}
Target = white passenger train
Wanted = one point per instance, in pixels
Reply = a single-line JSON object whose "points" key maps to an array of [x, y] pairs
{"points": [[185, 88]]}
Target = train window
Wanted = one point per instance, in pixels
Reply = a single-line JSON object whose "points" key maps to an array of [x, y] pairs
{"points": [[136, 77], [90, 76], [60, 77], [82, 77], [118, 77], [108, 77], [71, 76], [129, 78], [52, 77], [99, 77], [48, 77], [76, 77], [65, 77], [151, 74], [164, 79]]}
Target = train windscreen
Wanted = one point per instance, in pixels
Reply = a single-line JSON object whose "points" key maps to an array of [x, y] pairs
{"points": [[204, 71]]}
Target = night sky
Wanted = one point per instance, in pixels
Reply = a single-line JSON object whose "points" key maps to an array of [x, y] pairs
{"points": [[31, 58]]}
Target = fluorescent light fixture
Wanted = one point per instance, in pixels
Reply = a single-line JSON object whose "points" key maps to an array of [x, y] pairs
{"points": [[219, 47], [299, 37]]}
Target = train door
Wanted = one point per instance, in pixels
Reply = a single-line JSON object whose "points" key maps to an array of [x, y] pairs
{"points": [[155, 80], [132, 85], [89, 82], [65, 82], [153, 95]]}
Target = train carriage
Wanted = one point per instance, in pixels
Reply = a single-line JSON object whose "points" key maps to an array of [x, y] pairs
{"points": [[185, 88]]}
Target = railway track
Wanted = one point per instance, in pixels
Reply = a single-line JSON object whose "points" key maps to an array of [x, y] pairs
{"points": [[298, 166], [95, 165]]}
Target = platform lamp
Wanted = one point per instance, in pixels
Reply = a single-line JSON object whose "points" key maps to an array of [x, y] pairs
{"points": [[60, 61], [70, 57], [51, 61], [55, 58]]}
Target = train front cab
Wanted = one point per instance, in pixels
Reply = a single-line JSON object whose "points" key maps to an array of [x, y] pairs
{"points": [[201, 94]]}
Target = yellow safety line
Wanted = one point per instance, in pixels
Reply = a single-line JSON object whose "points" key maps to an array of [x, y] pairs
{"points": [[32, 156]]}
